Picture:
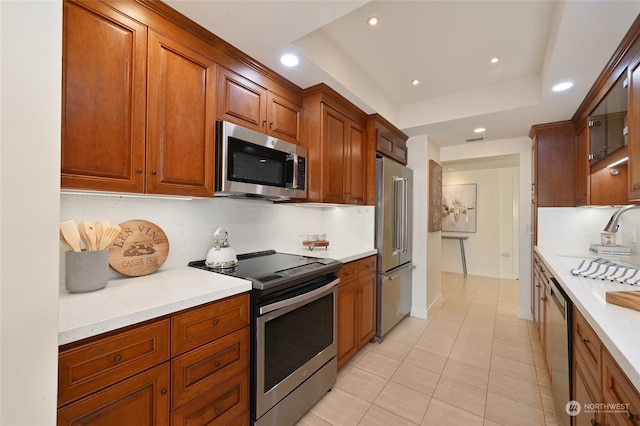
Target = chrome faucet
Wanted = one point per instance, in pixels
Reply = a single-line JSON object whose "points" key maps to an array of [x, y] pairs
{"points": [[612, 226]]}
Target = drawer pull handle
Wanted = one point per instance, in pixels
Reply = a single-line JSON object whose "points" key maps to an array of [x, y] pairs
{"points": [[163, 391], [217, 364], [217, 410], [629, 415], [215, 321], [584, 340], [117, 358]]}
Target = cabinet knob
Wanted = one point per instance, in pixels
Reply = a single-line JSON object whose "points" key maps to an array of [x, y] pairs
{"points": [[216, 321], [217, 364], [117, 358], [163, 391], [584, 340], [538, 285], [629, 415], [139, 170], [544, 299], [154, 172], [594, 422], [217, 410]]}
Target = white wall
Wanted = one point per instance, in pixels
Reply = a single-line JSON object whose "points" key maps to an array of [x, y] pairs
{"points": [[521, 147], [491, 249], [31, 51]]}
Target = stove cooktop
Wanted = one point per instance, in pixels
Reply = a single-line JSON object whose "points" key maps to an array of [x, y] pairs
{"points": [[268, 269]]}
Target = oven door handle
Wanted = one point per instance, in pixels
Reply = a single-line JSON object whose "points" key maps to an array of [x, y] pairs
{"points": [[298, 300]]}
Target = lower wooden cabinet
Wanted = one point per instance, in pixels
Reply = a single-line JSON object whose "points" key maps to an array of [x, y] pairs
{"points": [[131, 377], [604, 392], [356, 307]]}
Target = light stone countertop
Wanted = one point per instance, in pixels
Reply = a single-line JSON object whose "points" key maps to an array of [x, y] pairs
{"points": [[617, 327], [130, 300]]}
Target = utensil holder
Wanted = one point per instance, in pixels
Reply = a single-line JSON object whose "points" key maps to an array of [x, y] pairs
{"points": [[86, 271]]}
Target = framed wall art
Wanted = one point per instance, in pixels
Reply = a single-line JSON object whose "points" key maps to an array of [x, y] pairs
{"points": [[435, 196], [459, 207]]}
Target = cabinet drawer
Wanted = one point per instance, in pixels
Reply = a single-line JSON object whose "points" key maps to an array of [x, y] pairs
{"points": [[87, 368], [348, 271], [202, 325], [201, 369], [221, 405], [618, 390], [587, 344], [367, 265], [142, 400]]}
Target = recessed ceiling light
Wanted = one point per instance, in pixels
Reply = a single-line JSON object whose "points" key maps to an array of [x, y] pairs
{"points": [[562, 86], [480, 130], [415, 82], [373, 21], [289, 60], [495, 59]]}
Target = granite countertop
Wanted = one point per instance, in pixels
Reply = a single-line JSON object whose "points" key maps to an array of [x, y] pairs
{"points": [[130, 300], [617, 327]]}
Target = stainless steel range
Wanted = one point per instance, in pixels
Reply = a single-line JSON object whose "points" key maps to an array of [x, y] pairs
{"points": [[293, 322]]}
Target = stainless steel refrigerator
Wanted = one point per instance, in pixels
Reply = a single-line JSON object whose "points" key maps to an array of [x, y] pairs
{"points": [[393, 216]]}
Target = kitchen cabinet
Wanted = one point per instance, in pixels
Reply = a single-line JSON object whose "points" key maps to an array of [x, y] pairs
{"points": [[138, 106], [191, 367], [553, 172], [341, 162], [104, 68], [540, 304], [598, 379], [634, 130], [356, 307], [243, 102], [582, 169], [388, 140]]}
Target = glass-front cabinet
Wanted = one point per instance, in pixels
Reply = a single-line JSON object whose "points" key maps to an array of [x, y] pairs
{"points": [[608, 122]]}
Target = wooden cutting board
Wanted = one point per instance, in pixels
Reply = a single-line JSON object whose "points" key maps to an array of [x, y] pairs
{"points": [[627, 299], [140, 249]]}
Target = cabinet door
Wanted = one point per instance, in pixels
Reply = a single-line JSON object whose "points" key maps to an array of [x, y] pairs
{"points": [[103, 99], [142, 400], [335, 152], [585, 392], [634, 131], [616, 389], [347, 308], [356, 164], [284, 118], [582, 166], [181, 117], [367, 309], [241, 101]]}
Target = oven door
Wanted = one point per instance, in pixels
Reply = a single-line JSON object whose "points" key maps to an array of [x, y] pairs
{"points": [[294, 338]]}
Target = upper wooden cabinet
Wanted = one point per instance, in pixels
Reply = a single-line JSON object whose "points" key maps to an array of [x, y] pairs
{"points": [[341, 162], [634, 130], [104, 72], [243, 102], [388, 140], [181, 119], [553, 164], [116, 135]]}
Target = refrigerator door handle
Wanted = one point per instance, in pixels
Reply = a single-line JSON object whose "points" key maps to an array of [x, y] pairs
{"points": [[395, 274], [397, 216], [405, 213]]}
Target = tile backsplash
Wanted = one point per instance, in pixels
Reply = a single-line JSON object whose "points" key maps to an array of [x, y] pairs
{"points": [[252, 224]]}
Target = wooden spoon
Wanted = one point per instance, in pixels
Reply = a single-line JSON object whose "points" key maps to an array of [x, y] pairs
{"points": [[63, 241], [88, 234], [71, 235], [101, 228], [108, 236]]}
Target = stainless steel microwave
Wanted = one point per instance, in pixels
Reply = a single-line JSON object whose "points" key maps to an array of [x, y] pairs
{"points": [[250, 164]]}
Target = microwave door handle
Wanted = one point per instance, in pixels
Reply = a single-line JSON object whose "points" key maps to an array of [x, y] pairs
{"points": [[292, 164]]}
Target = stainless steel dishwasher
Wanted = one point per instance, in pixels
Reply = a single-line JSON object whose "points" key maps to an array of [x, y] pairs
{"points": [[559, 329]]}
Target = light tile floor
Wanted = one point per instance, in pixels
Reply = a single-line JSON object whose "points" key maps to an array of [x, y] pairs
{"points": [[473, 362]]}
